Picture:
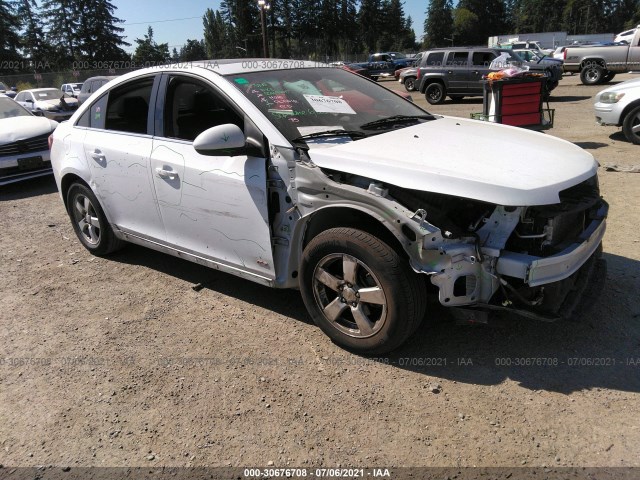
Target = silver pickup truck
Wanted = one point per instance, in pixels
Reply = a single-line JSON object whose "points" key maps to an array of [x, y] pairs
{"points": [[600, 64]]}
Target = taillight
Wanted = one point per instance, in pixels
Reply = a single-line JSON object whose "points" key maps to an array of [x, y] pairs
{"points": [[564, 54], [418, 74], [50, 141]]}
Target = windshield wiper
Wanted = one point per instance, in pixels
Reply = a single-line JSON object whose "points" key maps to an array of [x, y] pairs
{"points": [[330, 133], [396, 119]]}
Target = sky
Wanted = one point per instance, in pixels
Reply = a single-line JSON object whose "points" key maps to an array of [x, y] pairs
{"points": [[163, 17]]}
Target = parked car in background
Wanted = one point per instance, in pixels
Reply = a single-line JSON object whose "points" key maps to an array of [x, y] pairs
{"points": [[457, 72], [91, 85], [599, 64], [626, 36], [48, 102], [24, 150], [619, 105], [5, 90], [529, 55], [71, 89], [319, 179], [527, 45], [408, 78]]}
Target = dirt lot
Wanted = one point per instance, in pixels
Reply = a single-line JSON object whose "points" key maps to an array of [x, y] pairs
{"points": [[119, 362]]}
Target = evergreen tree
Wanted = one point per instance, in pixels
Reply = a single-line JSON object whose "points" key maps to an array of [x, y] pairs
{"points": [[438, 26], [217, 41], [9, 36], [32, 39], [61, 19], [369, 23], [193, 50], [98, 35], [150, 52], [477, 20]]}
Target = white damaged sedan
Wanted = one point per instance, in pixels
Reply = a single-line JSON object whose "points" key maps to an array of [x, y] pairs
{"points": [[295, 175]]}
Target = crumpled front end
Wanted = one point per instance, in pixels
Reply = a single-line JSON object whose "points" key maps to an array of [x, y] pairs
{"points": [[530, 260]]}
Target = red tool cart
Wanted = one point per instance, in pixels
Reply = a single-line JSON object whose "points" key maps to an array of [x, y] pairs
{"points": [[516, 101]]}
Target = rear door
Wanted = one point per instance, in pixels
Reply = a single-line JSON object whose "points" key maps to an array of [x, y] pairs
{"points": [[117, 148], [457, 71]]}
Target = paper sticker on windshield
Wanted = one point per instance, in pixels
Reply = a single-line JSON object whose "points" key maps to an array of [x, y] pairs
{"points": [[322, 104]]}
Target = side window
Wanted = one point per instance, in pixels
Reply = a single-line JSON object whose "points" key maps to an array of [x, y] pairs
{"points": [[457, 59], [482, 59], [128, 106], [435, 59], [191, 107]]}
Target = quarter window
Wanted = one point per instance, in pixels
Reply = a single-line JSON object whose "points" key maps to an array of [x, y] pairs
{"points": [[482, 59]]}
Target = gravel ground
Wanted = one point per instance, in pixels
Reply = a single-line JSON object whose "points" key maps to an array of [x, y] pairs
{"points": [[120, 362]]}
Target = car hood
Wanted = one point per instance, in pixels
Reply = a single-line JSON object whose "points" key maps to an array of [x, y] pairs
{"points": [[56, 102], [467, 158], [633, 83], [23, 128]]}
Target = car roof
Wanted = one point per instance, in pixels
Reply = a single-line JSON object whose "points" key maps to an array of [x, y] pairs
{"points": [[39, 89]]}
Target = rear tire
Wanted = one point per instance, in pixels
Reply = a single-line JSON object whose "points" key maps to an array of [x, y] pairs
{"points": [[410, 84], [360, 292], [435, 93], [592, 74], [89, 221], [608, 77], [631, 126]]}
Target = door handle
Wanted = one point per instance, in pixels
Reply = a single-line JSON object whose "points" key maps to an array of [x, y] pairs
{"points": [[97, 155], [169, 174]]}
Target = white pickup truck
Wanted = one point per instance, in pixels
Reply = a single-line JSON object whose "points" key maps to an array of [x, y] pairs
{"points": [[601, 63]]}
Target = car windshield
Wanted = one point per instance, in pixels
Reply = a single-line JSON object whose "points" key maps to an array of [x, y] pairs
{"points": [[310, 101], [10, 109], [48, 94]]}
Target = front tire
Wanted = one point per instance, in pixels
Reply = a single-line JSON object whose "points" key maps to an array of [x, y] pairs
{"points": [[89, 221], [360, 292], [435, 93], [592, 74], [631, 126]]}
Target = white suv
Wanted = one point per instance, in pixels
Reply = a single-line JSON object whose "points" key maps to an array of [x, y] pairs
{"points": [[298, 175]]}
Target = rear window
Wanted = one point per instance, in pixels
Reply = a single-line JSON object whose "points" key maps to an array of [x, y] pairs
{"points": [[434, 59]]}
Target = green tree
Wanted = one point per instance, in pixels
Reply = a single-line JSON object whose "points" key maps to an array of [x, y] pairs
{"points": [[32, 38], [61, 19], [98, 35], [193, 50], [9, 36], [148, 51], [477, 20], [438, 26], [217, 38], [369, 23]]}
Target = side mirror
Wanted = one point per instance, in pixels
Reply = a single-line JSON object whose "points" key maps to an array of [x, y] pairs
{"points": [[221, 140]]}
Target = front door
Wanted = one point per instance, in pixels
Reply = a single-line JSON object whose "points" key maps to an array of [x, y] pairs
{"points": [[214, 207]]}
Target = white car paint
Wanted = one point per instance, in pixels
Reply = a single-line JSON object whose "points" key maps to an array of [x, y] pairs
{"points": [[248, 212], [610, 113], [494, 163], [16, 125]]}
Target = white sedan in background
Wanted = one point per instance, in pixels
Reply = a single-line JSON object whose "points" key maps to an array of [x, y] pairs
{"points": [[619, 105], [24, 152], [48, 102]]}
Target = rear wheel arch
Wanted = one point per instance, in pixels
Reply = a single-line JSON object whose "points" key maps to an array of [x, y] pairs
{"points": [[66, 182]]}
